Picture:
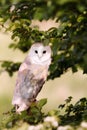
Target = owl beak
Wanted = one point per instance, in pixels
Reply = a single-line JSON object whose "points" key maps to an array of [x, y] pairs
{"points": [[40, 56]]}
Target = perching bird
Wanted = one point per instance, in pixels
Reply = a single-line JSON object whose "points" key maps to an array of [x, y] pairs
{"points": [[31, 76]]}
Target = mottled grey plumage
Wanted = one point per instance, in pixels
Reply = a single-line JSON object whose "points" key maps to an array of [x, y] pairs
{"points": [[31, 76]]}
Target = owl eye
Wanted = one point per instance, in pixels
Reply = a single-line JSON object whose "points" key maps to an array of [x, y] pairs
{"points": [[44, 51], [36, 51]]}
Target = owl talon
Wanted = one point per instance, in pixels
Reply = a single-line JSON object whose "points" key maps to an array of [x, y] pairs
{"points": [[21, 108], [18, 112]]}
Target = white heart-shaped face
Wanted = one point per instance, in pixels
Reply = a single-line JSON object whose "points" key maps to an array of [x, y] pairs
{"points": [[40, 54]]}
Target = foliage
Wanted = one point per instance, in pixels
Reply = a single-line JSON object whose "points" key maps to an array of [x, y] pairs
{"points": [[74, 114], [31, 116], [68, 40], [10, 67], [67, 116]]}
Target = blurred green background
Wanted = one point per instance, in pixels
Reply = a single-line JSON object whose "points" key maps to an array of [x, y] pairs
{"points": [[56, 91]]}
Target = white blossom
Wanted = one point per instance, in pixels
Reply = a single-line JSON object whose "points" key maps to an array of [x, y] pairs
{"points": [[51, 120], [64, 128], [25, 7], [12, 8], [84, 124], [31, 127], [37, 127]]}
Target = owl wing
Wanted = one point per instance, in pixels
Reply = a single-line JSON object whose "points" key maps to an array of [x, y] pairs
{"points": [[27, 87], [30, 87], [17, 97]]}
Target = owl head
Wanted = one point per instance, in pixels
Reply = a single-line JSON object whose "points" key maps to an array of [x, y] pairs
{"points": [[40, 54]]}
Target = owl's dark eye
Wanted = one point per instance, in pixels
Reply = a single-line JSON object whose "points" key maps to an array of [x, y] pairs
{"points": [[36, 51], [44, 51]]}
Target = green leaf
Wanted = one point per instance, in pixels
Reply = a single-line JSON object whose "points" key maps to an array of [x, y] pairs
{"points": [[41, 103], [68, 100]]}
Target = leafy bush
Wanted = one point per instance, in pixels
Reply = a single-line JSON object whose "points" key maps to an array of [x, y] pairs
{"points": [[68, 40], [66, 117]]}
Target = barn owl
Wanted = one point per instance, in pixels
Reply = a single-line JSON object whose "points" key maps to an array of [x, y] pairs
{"points": [[31, 76]]}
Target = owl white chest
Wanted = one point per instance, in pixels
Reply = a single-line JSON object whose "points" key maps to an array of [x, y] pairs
{"points": [[39, 71]]}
